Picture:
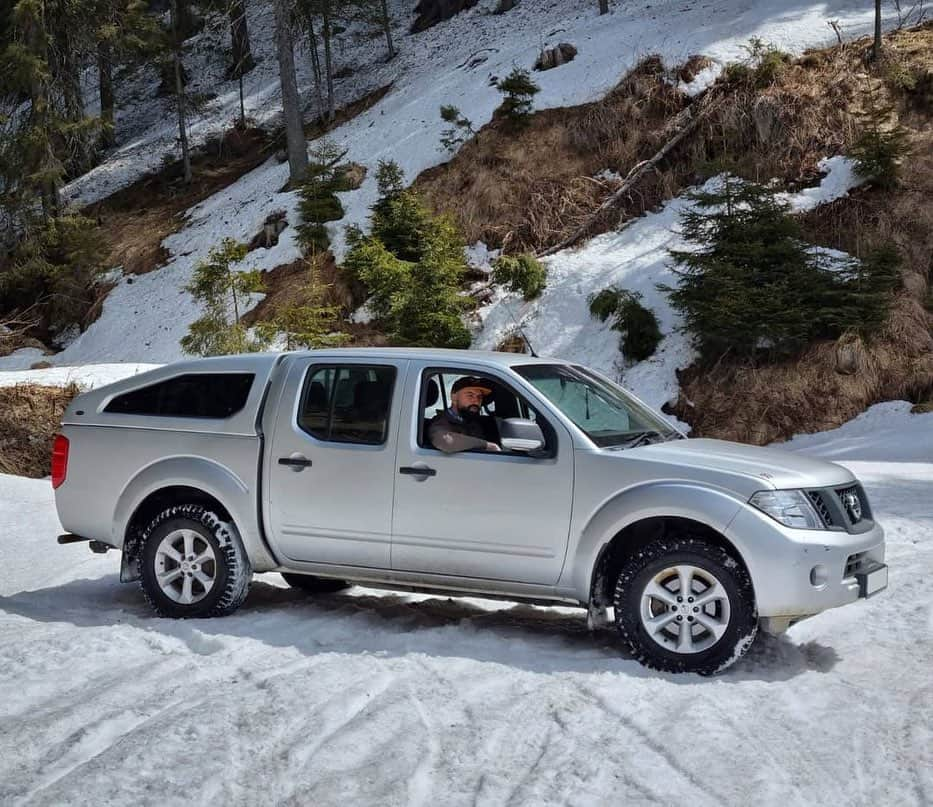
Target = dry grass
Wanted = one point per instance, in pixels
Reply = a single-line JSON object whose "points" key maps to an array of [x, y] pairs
{"points": [[30, 416], [528, 189], [135, 220]]}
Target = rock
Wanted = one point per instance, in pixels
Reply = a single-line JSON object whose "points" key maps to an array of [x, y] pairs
{"points": [[431, 12], [555, 57]]}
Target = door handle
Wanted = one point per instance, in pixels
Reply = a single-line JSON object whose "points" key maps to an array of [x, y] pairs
{"points": [[296, 463], [417, 470]]}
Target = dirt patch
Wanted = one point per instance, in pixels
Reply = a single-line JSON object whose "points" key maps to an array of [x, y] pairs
{"points": [[30, 417], [319, 126], [136, 219]]}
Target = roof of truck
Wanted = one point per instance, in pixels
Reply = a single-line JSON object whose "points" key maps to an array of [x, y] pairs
{"points": [[434, 354]]}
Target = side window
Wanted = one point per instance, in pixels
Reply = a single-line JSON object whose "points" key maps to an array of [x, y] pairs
{"points": [[195, 395], [501, 403], [347, 404]]}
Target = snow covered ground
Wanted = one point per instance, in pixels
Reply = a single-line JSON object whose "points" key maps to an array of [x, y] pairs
{"points": [[369, 698], [451, 63]]}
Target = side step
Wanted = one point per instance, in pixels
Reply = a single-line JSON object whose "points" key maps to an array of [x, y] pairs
{"points": [[98, 547]]}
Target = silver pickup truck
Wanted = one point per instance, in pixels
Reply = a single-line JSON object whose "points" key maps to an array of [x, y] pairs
{"points": [[319, 466]]}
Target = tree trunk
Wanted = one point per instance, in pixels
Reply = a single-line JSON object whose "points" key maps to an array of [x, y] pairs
{"points": [[296, 145], [603, 6], [239, 37], [387, 28], [316, 67], [877, 48], [328, 61], [180, 93], [107, 101]]}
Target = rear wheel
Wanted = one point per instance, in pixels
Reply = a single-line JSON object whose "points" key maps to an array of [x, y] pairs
{"points": [[685, 605], [315, 585], [193, 564]]}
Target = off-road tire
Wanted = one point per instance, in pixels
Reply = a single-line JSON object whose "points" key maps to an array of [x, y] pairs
{"points": [[652, 560], [315, 585], [232, 570]]}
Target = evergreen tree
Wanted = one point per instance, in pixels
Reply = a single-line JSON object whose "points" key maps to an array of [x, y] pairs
{"points": [[460, 129], [638, 325], [310, 323], [411, 266], [222, 291], [519, 90], [881, 144], [319, 202], [753, 289]]}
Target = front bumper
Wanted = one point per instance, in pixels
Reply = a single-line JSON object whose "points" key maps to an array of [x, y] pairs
{"points": [[798, 573]]}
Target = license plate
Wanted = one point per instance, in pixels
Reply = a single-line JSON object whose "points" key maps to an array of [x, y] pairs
{"points": [[872, 582]]}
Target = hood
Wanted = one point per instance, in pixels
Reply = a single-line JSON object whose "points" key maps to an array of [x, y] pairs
{"points": [[771, 466]]}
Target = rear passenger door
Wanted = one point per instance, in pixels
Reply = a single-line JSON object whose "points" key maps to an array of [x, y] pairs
{"points": [[331, 461]]}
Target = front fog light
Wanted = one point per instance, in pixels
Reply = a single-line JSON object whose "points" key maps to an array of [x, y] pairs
{"points": [[791, 508], [819, 574]]}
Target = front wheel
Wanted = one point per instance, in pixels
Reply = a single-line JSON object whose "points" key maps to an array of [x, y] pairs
{"points": [[685, 605]]}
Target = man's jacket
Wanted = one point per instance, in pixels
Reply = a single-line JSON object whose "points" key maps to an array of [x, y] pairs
{"points": [[450, 433]]}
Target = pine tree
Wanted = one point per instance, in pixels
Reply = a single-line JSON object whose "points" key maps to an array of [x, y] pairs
{"points": [[519, 90], [638, 325], [319, 202], [310, 323], [754, 290], [296, 145], [460, 130], [411, 266], [881, 145], [223, 291]]}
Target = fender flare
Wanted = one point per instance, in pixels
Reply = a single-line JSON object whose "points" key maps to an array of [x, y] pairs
{"points": [[707, 505], [204, 475]]}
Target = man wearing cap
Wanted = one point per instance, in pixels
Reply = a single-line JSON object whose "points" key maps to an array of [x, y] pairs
{"points": [[458, 428]]}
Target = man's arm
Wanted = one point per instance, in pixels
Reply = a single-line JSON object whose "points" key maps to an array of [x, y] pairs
{"points": [[451, 442]]}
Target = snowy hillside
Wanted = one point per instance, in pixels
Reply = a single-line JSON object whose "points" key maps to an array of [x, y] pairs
{"points": [[451, 63], [370, 698]]}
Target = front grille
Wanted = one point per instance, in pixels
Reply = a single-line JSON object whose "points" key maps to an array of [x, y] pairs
{"points": [[853, 505], [816, 499], [855, 563]]}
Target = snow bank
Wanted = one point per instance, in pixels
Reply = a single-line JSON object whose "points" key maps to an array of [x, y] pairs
{"points": [[86, 377]]}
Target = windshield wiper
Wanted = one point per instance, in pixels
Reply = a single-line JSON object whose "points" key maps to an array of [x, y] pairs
{"points": [[637, 439]]}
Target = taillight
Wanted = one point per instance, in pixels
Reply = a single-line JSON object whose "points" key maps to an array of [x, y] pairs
{"points": [[59, 460]]}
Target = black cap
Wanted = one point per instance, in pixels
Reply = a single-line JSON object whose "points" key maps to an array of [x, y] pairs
{"points": [[471, 381]]}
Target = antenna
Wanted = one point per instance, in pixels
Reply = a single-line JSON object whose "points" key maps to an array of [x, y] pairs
{"points": [[521, 332]]}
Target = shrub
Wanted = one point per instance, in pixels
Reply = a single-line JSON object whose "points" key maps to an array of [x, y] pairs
{"points": [[519, 90], [223, 292], [520, 273], [753, 289], [638, 325], [460, 130], [764, 65]]}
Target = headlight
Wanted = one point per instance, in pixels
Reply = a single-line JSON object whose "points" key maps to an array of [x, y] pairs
{"points": [[791, 508]]}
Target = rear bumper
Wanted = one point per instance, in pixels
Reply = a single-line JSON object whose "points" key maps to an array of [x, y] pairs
{"points": [[798, 573]]}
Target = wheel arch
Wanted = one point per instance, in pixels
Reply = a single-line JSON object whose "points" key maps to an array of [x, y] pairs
{"points": [[188, 480], [636, 535]]}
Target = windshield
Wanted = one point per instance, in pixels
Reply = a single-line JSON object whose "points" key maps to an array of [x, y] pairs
{"points": [[605, 411]]}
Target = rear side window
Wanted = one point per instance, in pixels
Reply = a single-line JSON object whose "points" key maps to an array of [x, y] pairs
{"points": [[196, 395], [347, 404]]}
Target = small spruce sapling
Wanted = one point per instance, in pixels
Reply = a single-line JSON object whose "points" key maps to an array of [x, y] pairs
{"points": [[459, 131], [881, 145], [519, 90], [638, 325], [223, 292]]}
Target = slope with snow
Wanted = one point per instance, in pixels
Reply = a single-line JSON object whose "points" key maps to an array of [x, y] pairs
{"points": [[637, 259], [451, 63], [370, 698]]}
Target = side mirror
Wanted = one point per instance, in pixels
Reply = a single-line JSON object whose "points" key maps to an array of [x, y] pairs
{"points": [[518, 434]]}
